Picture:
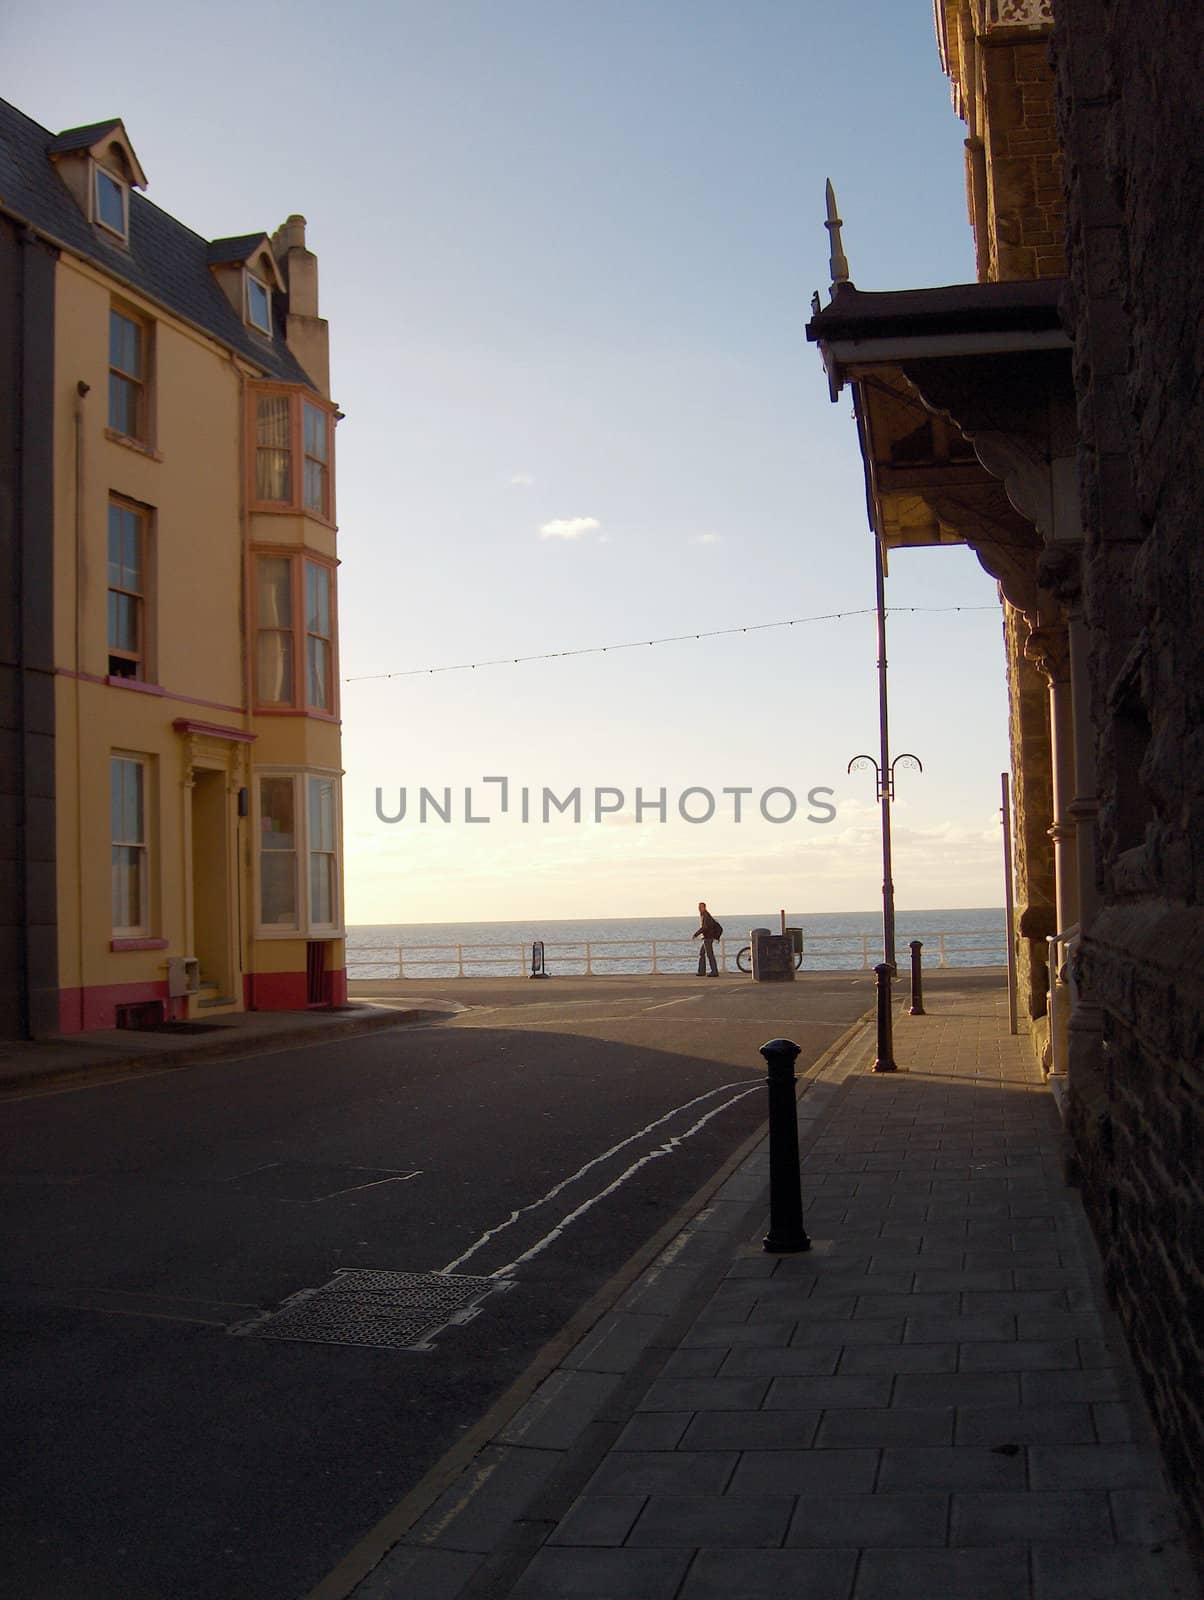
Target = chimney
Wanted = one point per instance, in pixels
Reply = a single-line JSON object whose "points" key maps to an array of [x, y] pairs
{"points": [[307, 333]]}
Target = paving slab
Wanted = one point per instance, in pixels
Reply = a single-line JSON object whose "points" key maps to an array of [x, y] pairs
{"points": [[933, 1400]]}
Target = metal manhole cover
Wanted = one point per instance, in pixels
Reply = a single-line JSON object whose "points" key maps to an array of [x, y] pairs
{"points": [[384, 1310]]}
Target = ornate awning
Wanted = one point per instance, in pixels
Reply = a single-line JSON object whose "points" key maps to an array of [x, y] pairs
{"points": [[956, 390]]}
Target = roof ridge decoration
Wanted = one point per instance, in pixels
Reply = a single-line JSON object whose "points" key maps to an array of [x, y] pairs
{"points": [[838, 264]]}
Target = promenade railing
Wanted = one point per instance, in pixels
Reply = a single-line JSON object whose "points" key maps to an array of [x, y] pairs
{"points": [[834, 952]]}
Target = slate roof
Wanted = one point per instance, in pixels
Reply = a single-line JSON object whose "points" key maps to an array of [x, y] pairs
{"points": [[165, 260], [238, 249], [82, 138]]}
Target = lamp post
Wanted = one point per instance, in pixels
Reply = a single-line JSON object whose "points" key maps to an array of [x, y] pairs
{"points": [[884, 768]]}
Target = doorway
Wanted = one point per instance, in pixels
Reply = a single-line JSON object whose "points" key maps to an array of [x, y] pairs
{"points": [[211, 931]]}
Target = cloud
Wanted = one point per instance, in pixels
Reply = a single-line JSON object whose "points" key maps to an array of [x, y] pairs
{"points": [[568, 527], [522, 480], [707, 538]]}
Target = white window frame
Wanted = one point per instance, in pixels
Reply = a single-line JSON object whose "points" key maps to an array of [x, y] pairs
{"points": [[305, 927], [142, 928], [123, 189], [250, 278]]}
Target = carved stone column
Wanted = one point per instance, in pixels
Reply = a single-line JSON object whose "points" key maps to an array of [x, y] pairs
{"points": [[1048, 647]]}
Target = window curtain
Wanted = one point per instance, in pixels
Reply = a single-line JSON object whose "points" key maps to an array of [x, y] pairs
{"points": [[273, 476], [274, 637]]}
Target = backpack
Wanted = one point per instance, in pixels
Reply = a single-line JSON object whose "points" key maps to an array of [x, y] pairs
{"points": [[716, 929]]}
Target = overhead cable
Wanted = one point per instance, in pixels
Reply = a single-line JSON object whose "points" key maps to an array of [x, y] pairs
{"points": [[645, 644]]}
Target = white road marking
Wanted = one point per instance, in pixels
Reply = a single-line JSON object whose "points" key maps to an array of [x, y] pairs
{"points": [[558, 1188], [666, 1149], [684, 1001]]}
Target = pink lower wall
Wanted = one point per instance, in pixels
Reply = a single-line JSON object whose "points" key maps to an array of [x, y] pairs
{"points": [[95, 1008]]}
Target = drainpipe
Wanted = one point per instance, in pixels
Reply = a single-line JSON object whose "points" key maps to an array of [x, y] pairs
{"points": [[81, 393], [245, 864]]}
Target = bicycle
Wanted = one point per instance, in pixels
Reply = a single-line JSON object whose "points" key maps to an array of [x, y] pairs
{"points": [[744, 959]]}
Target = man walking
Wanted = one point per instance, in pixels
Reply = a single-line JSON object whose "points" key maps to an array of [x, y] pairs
{"points": [[708, 931]]}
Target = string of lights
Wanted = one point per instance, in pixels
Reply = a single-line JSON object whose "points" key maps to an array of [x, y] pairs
{"points": [[646, 644]]}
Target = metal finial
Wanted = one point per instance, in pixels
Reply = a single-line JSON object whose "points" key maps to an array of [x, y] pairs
{"points": [[837, 263]]}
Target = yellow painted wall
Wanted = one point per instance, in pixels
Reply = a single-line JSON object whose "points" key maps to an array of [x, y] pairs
{"points": [[193, 479]]}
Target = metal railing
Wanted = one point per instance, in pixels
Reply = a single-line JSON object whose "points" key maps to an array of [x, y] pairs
{"points": [[831, 952]]}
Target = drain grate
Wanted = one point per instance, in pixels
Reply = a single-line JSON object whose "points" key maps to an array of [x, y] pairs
{"points": [[384, 1310]]}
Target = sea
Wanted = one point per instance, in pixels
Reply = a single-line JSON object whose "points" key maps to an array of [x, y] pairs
{"points": [[833, 941]]}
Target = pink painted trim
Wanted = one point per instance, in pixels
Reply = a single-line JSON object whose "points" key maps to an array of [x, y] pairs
{"points": [[169, 694], [233, 735], [138, 944], [295, 711], [138, 685], [81, 1010]]}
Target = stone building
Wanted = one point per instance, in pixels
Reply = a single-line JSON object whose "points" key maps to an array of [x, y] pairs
{"points": [[1049, 415], [170, 836]]}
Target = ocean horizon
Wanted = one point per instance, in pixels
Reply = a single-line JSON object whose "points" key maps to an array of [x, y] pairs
{"points": [[832, 941]]}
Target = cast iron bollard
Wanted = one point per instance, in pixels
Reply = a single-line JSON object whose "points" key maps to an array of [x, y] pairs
{"points": [[786, 1231], [917, 981], [886, 1051]]}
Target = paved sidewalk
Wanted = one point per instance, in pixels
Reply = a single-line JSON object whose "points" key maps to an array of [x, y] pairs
{"points": [[114, 1052], [933, 1401]]}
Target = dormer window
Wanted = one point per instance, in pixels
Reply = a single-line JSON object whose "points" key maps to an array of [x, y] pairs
{"points": [[259, 304], [99, 167], [246, 271], [112, 203]]}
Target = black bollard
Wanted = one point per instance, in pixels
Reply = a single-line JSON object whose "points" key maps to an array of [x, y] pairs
{"points": [[917, 981], [886, 1050], [786, 1231]]}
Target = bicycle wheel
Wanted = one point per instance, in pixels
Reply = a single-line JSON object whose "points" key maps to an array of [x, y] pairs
{"points": [[744, 959]]}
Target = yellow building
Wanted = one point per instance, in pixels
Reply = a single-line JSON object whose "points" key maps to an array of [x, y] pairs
{"points": [[175, 437]]}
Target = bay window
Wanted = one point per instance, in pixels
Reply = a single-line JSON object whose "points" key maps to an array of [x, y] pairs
{"points": [[294, 633], [292, 443], [318, 638], [273, 449], [274, 635], [317, 452], [323, 860], [277, 852], [298, 863]]}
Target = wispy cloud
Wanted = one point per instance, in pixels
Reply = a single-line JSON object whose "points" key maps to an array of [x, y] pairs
{"points": [[521, 480], [569, 527], [707, 538]]}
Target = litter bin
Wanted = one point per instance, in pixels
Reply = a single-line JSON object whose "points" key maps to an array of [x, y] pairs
{"points": [[772, 957]]}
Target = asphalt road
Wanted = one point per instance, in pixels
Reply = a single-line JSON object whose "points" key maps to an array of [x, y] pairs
{"points": [[545, 1134]]}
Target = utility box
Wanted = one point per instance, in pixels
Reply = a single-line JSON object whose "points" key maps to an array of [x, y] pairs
{"points": [[795, 935], [772, 957], [183, 976]]}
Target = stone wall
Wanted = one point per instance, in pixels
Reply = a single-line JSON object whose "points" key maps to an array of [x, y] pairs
{"points": [[1131, 119], [1024, 165]]}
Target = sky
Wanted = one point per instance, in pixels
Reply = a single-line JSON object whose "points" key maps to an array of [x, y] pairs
{"points": [[567, 254]]}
